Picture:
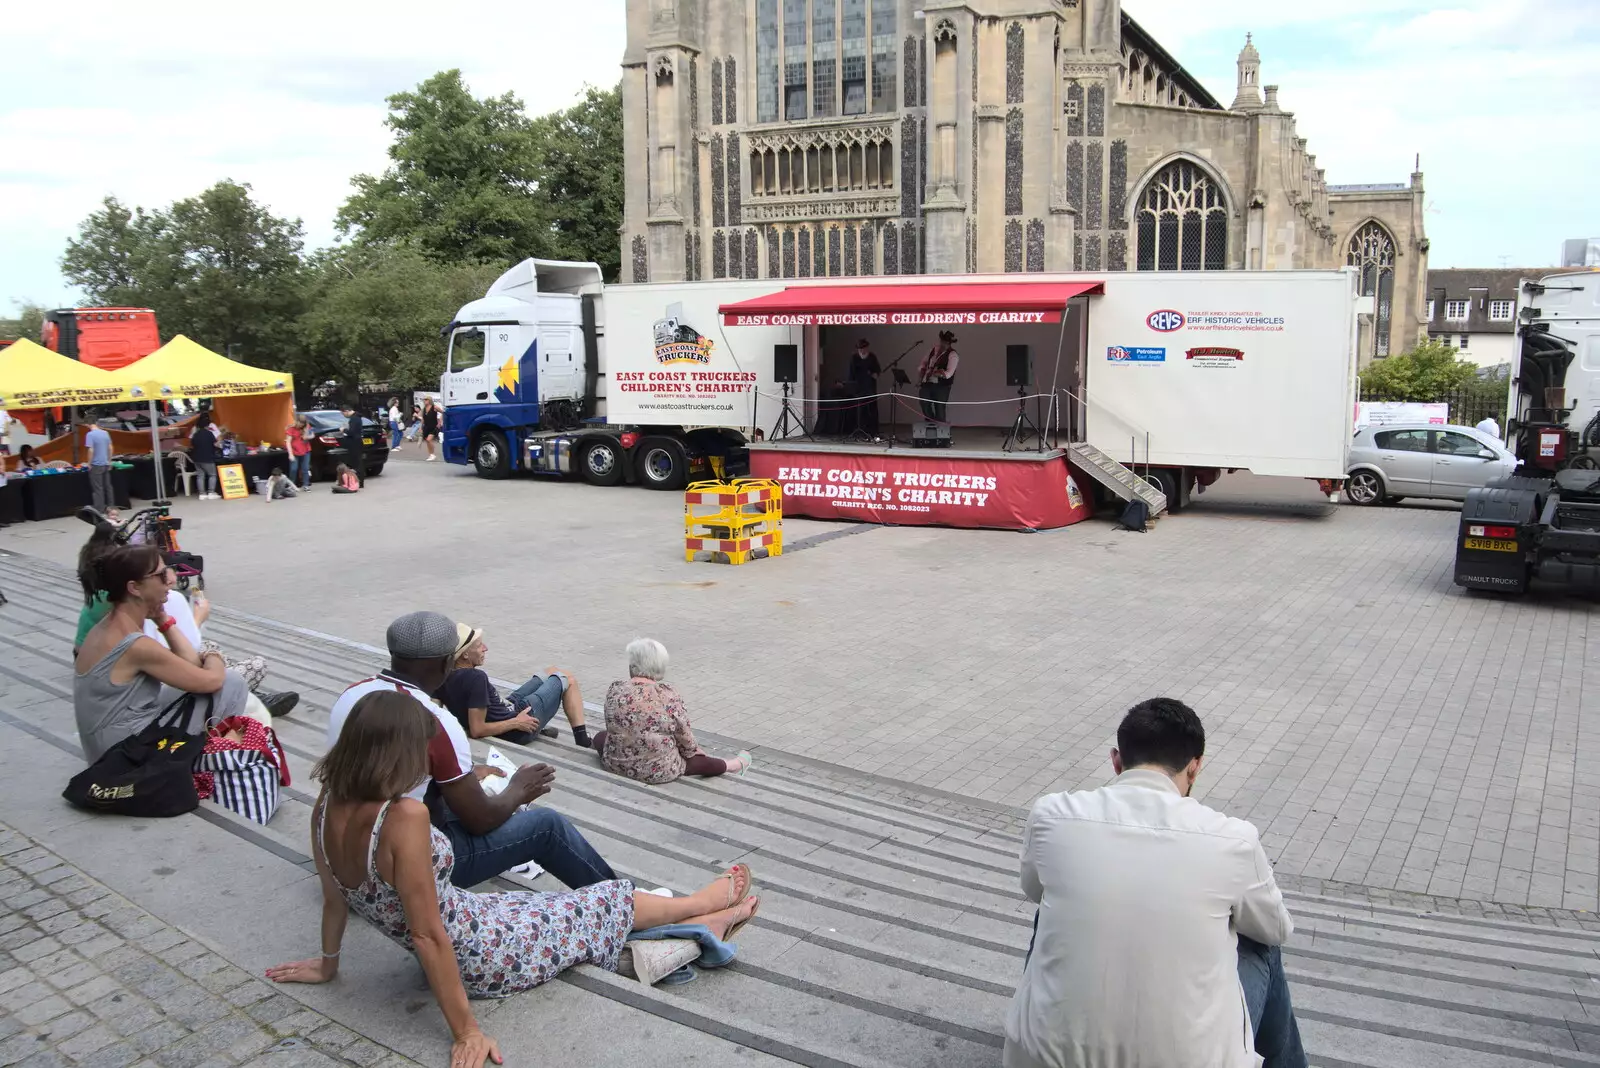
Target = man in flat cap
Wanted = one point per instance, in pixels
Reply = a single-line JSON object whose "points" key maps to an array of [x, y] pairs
{"points": [[490, 834]]}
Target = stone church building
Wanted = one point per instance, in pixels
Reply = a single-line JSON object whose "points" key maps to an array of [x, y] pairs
{"points": [[812, 138]]}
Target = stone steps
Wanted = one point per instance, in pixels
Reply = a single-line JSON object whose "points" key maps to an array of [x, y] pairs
{"points": [[892, 929]]}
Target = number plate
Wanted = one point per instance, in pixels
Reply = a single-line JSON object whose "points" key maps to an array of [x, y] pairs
{"points": [[1499, 545]]}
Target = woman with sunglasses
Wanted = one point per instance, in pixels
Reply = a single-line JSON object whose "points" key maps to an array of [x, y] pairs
{"points": [[123, 677]]}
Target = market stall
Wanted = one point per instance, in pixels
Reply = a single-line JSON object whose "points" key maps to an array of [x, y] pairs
{"points": [[254, 403]]}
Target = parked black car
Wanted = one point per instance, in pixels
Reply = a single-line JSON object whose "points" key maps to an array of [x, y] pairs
{"points": [[327, 448]]}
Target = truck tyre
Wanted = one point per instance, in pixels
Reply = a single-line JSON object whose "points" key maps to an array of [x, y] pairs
{"points": [[601, 462], [1167, 482], [661, 463], [490, 456], [1366, 488]]}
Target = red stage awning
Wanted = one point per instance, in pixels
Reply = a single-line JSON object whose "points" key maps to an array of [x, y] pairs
{"points": [[913, 304]]}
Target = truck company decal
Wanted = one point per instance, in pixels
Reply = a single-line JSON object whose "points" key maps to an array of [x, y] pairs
{"points": [[1214, 356], [1135, 354], [1166, 321], [908, 318], [680, 343]]}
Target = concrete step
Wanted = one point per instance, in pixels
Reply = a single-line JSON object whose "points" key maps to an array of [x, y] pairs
{"points": [[892, 928]]}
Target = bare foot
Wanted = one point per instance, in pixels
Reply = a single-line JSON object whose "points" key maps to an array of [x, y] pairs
{"points": [[723, 921], [726, 890]]}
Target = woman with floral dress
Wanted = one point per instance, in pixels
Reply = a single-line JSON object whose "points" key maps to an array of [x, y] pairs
{"points": [[378, 856], [647, 735]]}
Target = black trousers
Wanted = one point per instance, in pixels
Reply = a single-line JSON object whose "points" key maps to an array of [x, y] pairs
{"points": [[866, 407], [934, 396]]}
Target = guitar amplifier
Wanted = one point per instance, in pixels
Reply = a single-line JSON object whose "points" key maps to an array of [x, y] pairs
{"points": [[927, 435]]}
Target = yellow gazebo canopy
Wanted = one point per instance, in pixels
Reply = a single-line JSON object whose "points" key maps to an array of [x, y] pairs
{"points": [[32, 376], [183, 368]]}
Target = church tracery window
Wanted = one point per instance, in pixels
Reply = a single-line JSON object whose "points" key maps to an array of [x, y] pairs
{"points": [[1372, 252], [1182, 221]]}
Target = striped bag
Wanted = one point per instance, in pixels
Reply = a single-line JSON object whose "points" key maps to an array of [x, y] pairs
{"points": [[242, 767]]}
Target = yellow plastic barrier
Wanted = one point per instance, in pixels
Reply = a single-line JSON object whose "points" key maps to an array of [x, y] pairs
{"points": [[734, 519]]}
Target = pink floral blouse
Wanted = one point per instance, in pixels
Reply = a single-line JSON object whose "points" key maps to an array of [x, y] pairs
{"points": [[647, 731]]}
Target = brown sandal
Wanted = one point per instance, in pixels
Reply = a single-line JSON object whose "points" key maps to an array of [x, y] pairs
{"points": [[732, 875], [755, 907]]}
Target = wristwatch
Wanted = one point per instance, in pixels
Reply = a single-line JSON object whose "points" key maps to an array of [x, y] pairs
{"points": [[166, 624]]}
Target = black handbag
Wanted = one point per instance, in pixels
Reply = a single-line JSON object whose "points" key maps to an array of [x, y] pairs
{"points": [[150, 773]]}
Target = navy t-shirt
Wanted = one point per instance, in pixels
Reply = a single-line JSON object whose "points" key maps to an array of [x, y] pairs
{"points": [[466, 688], [203, 446]]}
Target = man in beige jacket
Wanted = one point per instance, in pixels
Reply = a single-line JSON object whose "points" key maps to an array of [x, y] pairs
{"points": [[1159, 921]]}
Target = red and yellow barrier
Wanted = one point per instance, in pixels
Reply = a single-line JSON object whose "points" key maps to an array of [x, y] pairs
{"points": [[734, 519]]}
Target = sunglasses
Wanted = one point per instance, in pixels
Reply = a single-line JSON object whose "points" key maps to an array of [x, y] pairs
{"points": [[160, 572]]}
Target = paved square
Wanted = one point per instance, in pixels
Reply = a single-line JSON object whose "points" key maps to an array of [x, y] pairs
{"points": [[1382, 727]]}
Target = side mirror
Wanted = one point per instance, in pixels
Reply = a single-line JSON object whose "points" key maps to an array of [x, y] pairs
{"points": [[1485, 454]]}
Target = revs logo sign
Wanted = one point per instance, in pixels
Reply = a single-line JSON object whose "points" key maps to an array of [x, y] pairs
{"points": [[1165, 321]]}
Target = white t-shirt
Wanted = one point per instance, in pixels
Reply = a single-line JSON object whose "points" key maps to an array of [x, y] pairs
{"points": [[394, 413], [181, 613], [449, 753], [1490, 426]]}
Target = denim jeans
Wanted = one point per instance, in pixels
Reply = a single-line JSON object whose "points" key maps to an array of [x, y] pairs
{"points": [[540, 696], [539, 834], [300, 470], [208, 476], [1266, 993], [394, 434]]}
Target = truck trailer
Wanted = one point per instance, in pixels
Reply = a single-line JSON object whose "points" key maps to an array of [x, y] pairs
{"points": [[1156, 383]]}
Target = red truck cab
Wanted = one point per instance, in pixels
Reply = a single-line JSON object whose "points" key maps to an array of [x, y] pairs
{"points": [[107, 338]]}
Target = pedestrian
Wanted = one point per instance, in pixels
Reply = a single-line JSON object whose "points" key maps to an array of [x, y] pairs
{"points": [[355, 448], [1489, 425], [394, 424], [9, 426], [297, 440], [203, 451], [414, 427], [430, 426], [99, 441]]}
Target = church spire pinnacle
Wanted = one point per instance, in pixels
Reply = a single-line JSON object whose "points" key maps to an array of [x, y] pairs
{"points": [[1248, 96]]}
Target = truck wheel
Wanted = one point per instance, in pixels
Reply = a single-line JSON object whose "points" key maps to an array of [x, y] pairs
{"points": [[1365, 487], [490, 456], [601, 463], [1167, 482], [661, 464]]}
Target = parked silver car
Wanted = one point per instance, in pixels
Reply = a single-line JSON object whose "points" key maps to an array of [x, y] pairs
{"points": [[1388, 463]]}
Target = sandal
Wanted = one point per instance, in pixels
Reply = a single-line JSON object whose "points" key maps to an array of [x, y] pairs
{"points": [[732, 875], [749, 762], [755, 907]]}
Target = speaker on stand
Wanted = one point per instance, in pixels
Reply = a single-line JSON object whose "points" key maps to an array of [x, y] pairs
{"points": [[1019, 373], [786, 370]]}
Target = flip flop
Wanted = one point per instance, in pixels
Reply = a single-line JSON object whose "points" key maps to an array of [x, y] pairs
{"points": [[749, 762], [755, 907], [749, 881]]}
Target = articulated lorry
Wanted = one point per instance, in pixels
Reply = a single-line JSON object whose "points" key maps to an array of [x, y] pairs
{"points": [[1179, 376], [1544, 522]]}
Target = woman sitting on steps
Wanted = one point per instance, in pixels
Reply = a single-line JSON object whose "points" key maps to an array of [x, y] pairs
{"points": [[378, 855]]}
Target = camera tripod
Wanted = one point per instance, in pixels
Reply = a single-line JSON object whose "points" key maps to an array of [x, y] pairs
{"points": [[1023, 426], [789, 420]]}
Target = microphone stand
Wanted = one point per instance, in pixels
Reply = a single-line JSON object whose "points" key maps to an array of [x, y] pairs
{"points": [[896, 377]]}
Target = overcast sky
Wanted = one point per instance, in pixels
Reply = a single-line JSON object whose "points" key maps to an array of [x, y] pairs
{"points": [[155, 101]]}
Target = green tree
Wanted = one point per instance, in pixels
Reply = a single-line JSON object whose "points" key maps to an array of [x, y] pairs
{"points": [[580, 177], [1427, 373], [461, 181], [29, 322], [374, 313], [217, 267]]}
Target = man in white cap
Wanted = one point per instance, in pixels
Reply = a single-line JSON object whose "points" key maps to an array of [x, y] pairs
{"points": [[490, 834]]}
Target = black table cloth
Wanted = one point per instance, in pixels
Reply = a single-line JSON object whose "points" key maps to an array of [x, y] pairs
{"points": [[55, 496]]}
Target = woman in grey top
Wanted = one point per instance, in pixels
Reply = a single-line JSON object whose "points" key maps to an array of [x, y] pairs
{"points": [[124, 679]]}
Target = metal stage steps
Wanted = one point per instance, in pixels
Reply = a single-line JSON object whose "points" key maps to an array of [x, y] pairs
{"points": [[1115, 477]]}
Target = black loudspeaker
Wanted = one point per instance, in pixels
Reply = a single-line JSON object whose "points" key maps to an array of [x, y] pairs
{"points": [[786, 363], [1019, 368]]}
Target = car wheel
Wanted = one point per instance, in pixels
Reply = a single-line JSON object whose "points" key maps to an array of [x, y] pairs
{"points": [[601, 463], [661, 463], [374, 472], [490, 457], [1365, 487]]}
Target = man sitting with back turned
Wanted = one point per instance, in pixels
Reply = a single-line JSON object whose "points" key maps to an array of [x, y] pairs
{"points": [[490, 834], [1156, 939]]}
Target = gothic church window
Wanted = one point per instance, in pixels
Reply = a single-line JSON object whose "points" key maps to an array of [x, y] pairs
{"points": [[794, 59], [1371, 251], [854, 41], [824, 58], [766, 60], [1182, 221], [883, 56]]}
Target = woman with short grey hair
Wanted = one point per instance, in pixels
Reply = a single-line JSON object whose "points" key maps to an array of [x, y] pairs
{"points": [[647, 735]]}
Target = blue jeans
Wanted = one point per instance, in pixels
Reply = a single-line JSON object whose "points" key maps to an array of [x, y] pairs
{"points": [[394, 434], [300, 470], [539, 834], [540, 696], [1266, 992]]}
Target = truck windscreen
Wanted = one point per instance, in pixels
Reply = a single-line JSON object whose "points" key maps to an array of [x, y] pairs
{"points": [[466, 349]]}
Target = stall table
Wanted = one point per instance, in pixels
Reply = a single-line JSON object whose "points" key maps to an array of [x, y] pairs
{"points": [[55, 496], [142, 476], [11, 501], [259, 465]]}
